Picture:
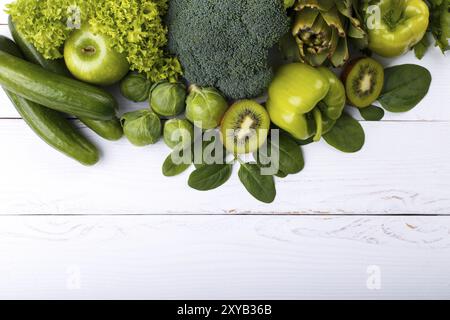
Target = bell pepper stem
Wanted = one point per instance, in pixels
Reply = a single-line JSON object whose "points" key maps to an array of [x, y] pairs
{"points": [[319, 125]]}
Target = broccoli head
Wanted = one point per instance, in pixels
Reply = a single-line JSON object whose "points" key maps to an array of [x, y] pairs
{"points": [[225, 43]]}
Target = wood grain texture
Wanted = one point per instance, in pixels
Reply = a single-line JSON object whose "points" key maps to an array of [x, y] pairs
{"points": [[222, 254], [224, 257], [403, 169]]}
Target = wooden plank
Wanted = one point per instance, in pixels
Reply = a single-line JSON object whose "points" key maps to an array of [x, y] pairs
{"points": [[224, 257], [403, 169], [433, 108]]}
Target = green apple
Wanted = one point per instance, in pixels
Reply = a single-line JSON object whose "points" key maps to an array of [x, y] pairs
{"points": [[90, 58]]}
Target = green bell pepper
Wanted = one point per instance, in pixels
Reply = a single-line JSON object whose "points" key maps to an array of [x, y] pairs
{"points": [[395, 26], [305, 101]]}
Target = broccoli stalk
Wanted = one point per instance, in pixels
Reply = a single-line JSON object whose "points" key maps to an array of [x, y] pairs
{"points": [[225, 44]]}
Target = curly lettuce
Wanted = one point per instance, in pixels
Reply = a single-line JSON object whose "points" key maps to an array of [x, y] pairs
{"points": [[135, 27]]}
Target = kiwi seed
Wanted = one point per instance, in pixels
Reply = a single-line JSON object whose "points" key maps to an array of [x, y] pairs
{"points": [[364, 79], [241, 127]]}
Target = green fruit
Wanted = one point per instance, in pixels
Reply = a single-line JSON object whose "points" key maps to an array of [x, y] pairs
{"points": [[168, 99], [108, 129], [91, 58], [136, 87], [245, 127], [205, 107], [178, 133], [54, 91], [142, 127], [364, 81], [51, 126]]}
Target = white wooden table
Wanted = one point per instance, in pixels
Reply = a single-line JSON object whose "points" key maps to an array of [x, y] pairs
{"points": [[370, 225]]}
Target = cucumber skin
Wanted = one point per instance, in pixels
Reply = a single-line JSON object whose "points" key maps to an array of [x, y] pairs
{"points": [[54, 91], [50, 125], [108, 129], [55, 130]]}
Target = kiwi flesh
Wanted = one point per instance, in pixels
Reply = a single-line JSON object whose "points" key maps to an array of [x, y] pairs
{"points": [[364, 80], [245, 127]]}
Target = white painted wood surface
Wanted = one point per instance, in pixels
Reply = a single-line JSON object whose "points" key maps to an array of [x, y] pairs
{"points": [[117, 230], [224, 257], [404, 169]]}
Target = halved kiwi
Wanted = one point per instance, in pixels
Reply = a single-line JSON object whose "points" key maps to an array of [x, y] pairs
{"points": [[363, 79], [245, 127]]}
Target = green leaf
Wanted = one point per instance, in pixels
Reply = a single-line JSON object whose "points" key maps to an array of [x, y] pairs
{"points": [[290, 158], [208, 152], [171, 169], [281, 174], [404, 87], [209, 177], [422, 47], [260, 186], [347, 135], [372, 113], [305, 142]]}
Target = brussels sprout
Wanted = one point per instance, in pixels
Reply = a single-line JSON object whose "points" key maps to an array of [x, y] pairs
{"points": [[135, 87], [168, 99], [141, 127], [205, 107], [178, 133]]}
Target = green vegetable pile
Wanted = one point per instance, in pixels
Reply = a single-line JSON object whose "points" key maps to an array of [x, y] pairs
{"points": [[225, 44], [259, 77], [135, 27]]}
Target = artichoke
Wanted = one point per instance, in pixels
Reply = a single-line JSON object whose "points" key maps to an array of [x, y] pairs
{"points": [[322, 29]]}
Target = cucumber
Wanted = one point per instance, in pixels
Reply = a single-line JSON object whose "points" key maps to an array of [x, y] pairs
{"points": [[51, 126], [54, 91], [108, 129], [55, 130]]}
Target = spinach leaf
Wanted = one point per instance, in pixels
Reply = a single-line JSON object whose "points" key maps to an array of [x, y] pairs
{"points": [[288, 154], [209, 177], [347, 135], [260, 186], [372, 113], [208, 152], [404, 87], [171, 169], [305, 142], [281, 174]]}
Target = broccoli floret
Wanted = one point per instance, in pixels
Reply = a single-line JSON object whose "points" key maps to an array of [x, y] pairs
{"points": [[226, 43]]}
